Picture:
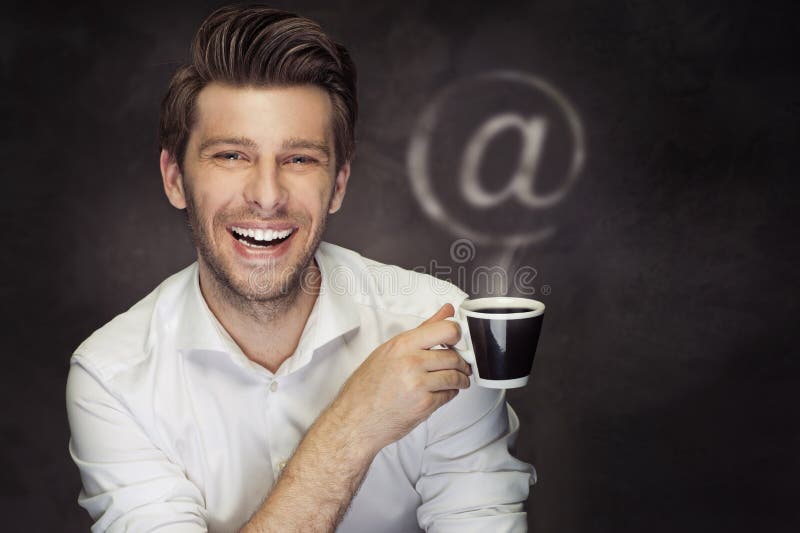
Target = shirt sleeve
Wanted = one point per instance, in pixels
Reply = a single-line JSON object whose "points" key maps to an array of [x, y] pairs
{"points": [[470, 481], [128, 483]]}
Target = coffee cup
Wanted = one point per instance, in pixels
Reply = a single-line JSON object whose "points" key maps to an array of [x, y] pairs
{"points": [[499, 336]]}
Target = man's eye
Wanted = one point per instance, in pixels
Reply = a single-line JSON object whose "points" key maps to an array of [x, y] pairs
{"points": [[229, 156], [301, 160]]}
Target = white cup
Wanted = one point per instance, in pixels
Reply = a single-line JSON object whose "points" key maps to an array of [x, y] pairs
{"points": [[501, 344]]}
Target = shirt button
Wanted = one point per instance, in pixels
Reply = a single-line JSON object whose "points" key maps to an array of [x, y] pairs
{"points": [[273, 386], [282, 465]]}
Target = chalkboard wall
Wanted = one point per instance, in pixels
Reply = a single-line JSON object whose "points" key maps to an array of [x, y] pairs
{"points": [[652, 151]]}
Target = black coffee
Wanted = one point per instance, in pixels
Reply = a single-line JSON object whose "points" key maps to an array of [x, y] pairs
{"points": [[503, 310], [504, 349]]}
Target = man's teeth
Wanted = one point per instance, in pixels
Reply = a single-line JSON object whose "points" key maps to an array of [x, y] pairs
{"points": [[262, 235]]}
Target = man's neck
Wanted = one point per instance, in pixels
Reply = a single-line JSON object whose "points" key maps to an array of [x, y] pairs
{"points": [[268, 332]]}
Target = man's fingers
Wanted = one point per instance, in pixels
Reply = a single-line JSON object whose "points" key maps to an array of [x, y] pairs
{"points": [[435, 330], [447, 380], [434, 334], [445, 311], [445, 360]]}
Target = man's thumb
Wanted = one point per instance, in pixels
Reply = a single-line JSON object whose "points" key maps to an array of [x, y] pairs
{"points": [[445, 311]]}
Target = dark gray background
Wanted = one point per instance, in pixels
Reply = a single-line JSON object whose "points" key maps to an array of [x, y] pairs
{"points": [[663, 397]]}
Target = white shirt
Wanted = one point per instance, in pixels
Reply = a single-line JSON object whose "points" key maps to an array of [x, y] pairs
{"points": [[174, 427]]}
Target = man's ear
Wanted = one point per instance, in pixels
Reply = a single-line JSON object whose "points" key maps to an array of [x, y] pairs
{"points": [[340, 187], [173, 180]]}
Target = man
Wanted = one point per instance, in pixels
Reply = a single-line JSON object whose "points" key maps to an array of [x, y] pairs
{"points": [[281, 383]]}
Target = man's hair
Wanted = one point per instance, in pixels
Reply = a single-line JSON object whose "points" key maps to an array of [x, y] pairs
{"points": [[260, 46]]}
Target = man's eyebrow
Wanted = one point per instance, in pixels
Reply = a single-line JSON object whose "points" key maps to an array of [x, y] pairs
{"points": [[296, 143], [237, 141]]}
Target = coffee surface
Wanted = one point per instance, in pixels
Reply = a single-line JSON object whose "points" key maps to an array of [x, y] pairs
{"points": [[503, 310]]}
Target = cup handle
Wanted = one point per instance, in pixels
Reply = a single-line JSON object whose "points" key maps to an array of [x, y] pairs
{"points": [[463, 347]]}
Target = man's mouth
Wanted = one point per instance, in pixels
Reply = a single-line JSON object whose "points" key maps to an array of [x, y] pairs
{"points": [[258, 238]]}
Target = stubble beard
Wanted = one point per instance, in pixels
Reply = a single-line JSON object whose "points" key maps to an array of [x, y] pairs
{"points": [[267, 291]]}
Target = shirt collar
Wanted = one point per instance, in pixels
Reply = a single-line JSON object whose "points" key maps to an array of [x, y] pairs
{"points": [[335, 314], [193, 322], [338, 312]]}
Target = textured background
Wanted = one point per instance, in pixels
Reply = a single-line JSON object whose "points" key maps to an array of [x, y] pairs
{"points": [[664, 392]]}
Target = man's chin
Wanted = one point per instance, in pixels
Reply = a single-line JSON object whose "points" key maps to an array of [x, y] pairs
{"points": [[264, 285]]}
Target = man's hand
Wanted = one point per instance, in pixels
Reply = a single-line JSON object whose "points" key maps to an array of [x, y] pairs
{"points": [[402, 382]]}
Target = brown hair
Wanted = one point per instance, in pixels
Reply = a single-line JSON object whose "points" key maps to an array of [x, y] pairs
{"points": [[258, 45]]}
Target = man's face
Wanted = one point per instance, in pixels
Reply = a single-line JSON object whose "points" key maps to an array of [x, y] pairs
{"points": [[258, 181]]}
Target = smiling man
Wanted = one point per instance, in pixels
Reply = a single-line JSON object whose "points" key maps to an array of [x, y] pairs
{"points": [[252, 391]]}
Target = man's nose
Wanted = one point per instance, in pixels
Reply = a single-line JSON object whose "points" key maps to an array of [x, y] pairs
{"points": [[265, 188]]}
